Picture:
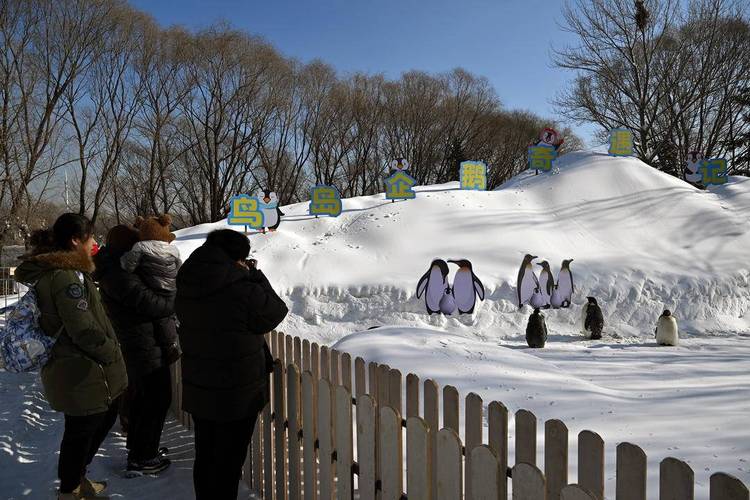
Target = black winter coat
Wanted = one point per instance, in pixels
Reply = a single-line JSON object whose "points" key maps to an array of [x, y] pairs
{"points": [[224, 310], [143, 319]]}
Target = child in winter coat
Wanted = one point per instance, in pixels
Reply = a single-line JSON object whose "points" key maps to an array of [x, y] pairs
{"points": [[156, 262]]}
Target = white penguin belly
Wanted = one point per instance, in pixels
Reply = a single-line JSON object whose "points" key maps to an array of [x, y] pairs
{"points": [[270, 217], [463, 291], [666, 332], [435, 289]]}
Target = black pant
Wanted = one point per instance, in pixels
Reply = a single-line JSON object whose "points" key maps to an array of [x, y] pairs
{"points": [[151, 397], [220, 451], [80, 442]]}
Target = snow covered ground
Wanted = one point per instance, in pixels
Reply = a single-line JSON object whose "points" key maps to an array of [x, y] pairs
{"points": [[642, 241]]}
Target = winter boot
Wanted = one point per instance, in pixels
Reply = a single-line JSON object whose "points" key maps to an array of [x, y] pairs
{"points": [[147, 467], [90, 488]]}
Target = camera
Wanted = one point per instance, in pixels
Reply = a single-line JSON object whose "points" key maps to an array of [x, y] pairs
{"points": [[251, 263]]}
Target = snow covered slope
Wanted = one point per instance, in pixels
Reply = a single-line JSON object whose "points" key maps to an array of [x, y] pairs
{"points": [[642, 241]]}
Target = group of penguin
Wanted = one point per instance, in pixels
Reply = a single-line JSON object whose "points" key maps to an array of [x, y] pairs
{"points": [[543, 292], [443, 297]]}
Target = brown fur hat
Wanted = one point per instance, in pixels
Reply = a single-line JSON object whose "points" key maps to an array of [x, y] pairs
{"points": [[155, 228]]}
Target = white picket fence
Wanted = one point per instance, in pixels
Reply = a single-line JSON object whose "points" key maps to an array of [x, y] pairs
{"points": [[304, 442]]}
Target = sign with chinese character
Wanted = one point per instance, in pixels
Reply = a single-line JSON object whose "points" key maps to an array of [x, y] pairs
{"points": [[620, 142], [244, 210], [399, 186], [693, 172], [473, 175], [714, 172], [542, 157], [325, 200]]}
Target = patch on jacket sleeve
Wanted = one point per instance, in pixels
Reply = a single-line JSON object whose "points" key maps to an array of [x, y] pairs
{"points": [[83, 305], [74, 291]]}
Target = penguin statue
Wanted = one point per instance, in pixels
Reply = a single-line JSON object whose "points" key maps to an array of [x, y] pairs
{"points": [[466, 287], [433, 284], [269, 205], [448, 302], [562, 293], [536, 329], [693, 172], [527, 283], [546, 284], [592, 319], [666, 329]]}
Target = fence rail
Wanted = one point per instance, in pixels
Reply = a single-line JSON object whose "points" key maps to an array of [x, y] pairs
{"points": [[303, 445]]}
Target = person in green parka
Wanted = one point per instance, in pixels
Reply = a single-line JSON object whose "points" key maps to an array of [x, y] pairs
{"points": [[86, 372]]}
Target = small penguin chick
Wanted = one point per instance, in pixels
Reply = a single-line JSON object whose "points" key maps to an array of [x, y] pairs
{"points": [[667, 332]]}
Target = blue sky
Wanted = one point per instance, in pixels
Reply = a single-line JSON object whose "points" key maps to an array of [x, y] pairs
{"points": [[508, 41]]}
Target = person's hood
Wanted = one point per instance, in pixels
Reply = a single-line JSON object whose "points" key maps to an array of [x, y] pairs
{"points": [[208, 270], [35, 265], [158, 249]]}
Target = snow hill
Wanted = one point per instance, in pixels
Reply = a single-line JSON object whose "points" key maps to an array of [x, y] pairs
{"points": [[642, 241]]}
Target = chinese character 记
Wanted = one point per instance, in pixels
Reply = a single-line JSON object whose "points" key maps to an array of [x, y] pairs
{"points": [[325, 200], [244, 211], [620, 142], [399, 186], [473, 175], [714, 171], [541, 157]]}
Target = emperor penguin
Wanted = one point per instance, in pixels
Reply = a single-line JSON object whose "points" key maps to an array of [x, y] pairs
{"points": [[592, 319], [466, 287], [433, 284], [666, 329], [546, 284], [448, 302], [270, 208], [527, 283], [562, 293], [536, 329]]}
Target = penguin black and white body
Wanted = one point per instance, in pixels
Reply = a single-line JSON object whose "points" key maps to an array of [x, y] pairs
{"points": [[592, 319], [536, 329], [546, 284], [562, 293], [527, 283], [666, 329], [433, 284], [448, 302], [466, 287], [270, 208]]}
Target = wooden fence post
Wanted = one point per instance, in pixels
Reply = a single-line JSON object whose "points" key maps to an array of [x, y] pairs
{"points": [[472, 434], [366, 446], [450, 408], [591, 463], [360, 377], [412, 396], [449, 474], [258, 456], [432, 418], [484, 480], [528, 482], [281, 349], [315, 361], [346, 371], [383, 385], [372, 380], [298, 353], [305, 356], [279, 413], [394, 390], [726, 487], [525, 437], [576, 492], [325, 363], [289, 360], [325, 439], [418, 459], [267, 453], [498, 440], [335, 369], [391, 451], [631, 472], [555, 457], [344, 446], [676, 480], [309, 435], [293, 438]]}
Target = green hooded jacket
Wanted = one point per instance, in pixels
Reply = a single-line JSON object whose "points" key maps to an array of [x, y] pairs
{"points": [[86, 371]]}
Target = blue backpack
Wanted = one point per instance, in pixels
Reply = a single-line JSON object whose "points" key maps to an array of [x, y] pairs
{"points": [[24, 347]]}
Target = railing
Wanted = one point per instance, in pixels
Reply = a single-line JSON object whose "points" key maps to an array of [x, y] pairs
{"points": [[304, 441]]}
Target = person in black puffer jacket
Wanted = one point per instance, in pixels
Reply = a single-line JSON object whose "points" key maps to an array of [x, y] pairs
{"points": [[224, 307], [144, 322]]}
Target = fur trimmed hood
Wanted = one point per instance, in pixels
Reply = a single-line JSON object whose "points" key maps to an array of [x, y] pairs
{"points": [[35, 264]]}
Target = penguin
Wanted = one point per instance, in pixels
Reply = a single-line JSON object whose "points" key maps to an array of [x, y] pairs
{"points": [[536, 329], [448, 302], [562, 293], [592, 319], [527, 283], [466, 287], [271, 211], [546, 284], [432, 284], [666, 329]]}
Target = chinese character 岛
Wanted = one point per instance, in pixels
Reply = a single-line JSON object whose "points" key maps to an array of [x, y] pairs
{"points": [[325, 200], [244, 211], [620, 142], [541, 157], [399, 186], [473, 175], [714, 171]]}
